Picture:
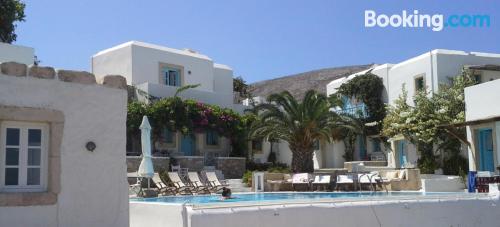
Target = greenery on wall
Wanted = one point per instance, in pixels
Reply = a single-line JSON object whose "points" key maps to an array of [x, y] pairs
{"points": [[11, 11], [367, 88], [189, 116], [427, 124]]}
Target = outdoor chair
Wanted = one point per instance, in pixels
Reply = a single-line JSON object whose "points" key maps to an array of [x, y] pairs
{"points": [[197, 184], [176, 181], [301, 179], [367, 179], [162, 187], [344, 181], [321, 181], [380, 181], [216, 185]]}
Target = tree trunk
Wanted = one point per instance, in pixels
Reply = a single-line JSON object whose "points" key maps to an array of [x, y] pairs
{"points": [[302, 160]]}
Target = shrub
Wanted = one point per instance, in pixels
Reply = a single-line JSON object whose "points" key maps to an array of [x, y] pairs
{"points": [[247, 178], [253, 166]]}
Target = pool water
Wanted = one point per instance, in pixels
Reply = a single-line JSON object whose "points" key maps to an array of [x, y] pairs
{"points": [[289, 196]]}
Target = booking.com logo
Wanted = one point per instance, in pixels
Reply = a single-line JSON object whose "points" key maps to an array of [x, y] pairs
{"points": [[437, 22]]}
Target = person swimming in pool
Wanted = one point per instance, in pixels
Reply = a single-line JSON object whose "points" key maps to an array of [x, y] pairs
{"points": [[226, 193]]}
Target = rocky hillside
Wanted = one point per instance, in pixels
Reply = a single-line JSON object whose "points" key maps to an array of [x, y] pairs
{"points": [[298, 84]]}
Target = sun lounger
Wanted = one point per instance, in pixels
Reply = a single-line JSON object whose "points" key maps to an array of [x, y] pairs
{"points": [[215, 183], [176, 181], [301, 179], [321, 181], [344, 181], [162, 187], [197, 184], [367, 179]]}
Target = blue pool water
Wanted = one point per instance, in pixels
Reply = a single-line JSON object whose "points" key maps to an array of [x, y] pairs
{"points": [[287, 196]]}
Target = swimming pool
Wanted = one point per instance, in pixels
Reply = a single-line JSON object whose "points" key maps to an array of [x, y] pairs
{"points": [[298, 209], [290, 197]]}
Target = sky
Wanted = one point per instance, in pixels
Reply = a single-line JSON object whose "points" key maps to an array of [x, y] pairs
{"points": [[259, 39]]}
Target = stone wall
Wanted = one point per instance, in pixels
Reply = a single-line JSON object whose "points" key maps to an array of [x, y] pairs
{"points": [[193, 163], [231, 167], [159, 163]]}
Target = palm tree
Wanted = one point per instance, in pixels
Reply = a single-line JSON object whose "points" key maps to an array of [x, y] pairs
{"points": [[298, 123]]}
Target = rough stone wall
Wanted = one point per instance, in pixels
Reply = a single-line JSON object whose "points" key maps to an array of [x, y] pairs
{"points": [[193, 163], [231, 167], [159, 163], [80, 77]]}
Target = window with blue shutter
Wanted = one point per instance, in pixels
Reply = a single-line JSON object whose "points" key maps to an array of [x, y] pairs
{"points": [[212, 138], [167, 136], [172, 76], [376, 145]]}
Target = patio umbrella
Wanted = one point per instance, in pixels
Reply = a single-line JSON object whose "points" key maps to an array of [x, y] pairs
{"points": [[146, 167]]}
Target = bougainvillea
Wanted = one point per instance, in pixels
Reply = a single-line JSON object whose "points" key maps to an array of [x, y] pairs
{"points": [[190, 116]]}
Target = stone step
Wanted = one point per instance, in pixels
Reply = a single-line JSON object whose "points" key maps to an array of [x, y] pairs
{"points": [[237, 185], [241, 190], [234, 181]]}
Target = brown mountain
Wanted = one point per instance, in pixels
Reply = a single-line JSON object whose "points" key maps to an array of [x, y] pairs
{"points": [[298, 84]]}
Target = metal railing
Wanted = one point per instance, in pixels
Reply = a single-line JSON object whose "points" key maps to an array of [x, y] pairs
{"points": [[357, 111]]}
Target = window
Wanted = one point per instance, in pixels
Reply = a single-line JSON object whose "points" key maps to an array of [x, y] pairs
{"points": [[477, 78], [256, 145], [316, 145], [172, 76], [419, 84], [212, 138], [23, 156], [376, 145], [167, 136]]}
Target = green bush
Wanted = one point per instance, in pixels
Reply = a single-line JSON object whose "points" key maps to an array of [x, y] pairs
{"points": [[253, 166], [247, 178], [267, 167]]}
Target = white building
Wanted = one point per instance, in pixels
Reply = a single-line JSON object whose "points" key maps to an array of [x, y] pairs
{"points": [[159, 71], [425, 71], [50, 174], [483, 125]]}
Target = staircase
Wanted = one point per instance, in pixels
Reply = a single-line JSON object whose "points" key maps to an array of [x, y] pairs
{"points": [[236, 185]]}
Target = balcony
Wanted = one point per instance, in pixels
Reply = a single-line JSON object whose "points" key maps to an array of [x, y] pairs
{"points": [[359, 111]]}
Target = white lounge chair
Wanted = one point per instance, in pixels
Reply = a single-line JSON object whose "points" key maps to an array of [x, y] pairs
{"points": [[162, 187], [301, 179], [181, 188], [197, 184], [321, 181], [215, 183], [344, 180], [368, 178]]}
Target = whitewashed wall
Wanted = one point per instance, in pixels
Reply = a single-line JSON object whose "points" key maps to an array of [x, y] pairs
{"points": [[140, 63], [480, 211], [16, 53], [481, 103], [94, 190], [443, 212]]}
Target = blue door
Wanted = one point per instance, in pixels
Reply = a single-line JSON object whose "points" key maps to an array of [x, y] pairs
{"points": [[485, 144], [362, 148], [187, 145], [402, 153]]}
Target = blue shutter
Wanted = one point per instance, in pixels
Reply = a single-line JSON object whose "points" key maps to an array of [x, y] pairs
{"points": [[177, 78], [165, 73]]}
